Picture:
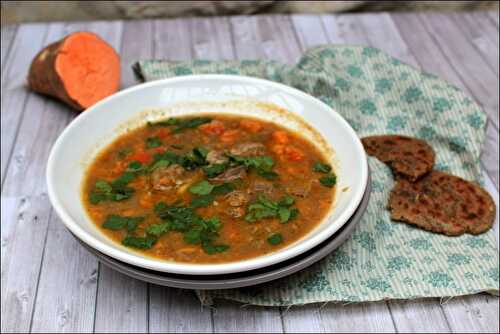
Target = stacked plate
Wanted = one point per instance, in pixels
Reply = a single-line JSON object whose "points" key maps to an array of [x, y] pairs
{"points": [[101, 124]]}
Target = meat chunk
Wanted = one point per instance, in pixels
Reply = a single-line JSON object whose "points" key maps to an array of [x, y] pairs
{"points": [[237, 198], [167, 178], [217, 157], [231, 174], [248, 149], [235, 212]]}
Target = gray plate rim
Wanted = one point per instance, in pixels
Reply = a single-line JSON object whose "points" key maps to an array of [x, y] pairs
{"points": [[228, 281]]}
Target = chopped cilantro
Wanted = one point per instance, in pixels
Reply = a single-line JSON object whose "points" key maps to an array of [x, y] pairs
{"points": [[158, 229], [328, 180], [116, 222], [196, 230], [215, 169], [263, 165], [322, 168], [139, 242], [202, 201], [265, 208], [153, 142], [201, 188], [190, 123], [275, 239]]}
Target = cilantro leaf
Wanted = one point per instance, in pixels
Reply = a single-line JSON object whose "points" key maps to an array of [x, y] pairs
{"points": [[215, 169], [153, 142], [210, 248], [158, 229], [275, 239], [201, 188], [328, 180], [116, 222], [167, 122], [140, 242], [222, 189], [202, 201], [191, 123], [266, 208], [322, 168]]}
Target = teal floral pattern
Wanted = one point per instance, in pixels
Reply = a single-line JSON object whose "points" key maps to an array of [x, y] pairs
{"points": [[383, 259]]}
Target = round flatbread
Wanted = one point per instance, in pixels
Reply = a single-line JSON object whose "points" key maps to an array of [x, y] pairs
{"points": [[442, 203], [408, 157]]}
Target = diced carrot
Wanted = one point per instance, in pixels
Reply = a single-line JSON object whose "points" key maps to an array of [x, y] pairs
{"points": [[143, 157], [293, 153], [280, 137], [163, 133], [159, 150], [230, 136], [251, 125], [215, 127], [278, 149], [146, 202]]}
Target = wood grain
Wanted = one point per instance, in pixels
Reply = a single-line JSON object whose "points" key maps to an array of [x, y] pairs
{"points": [[177, 311], [428, 47], [231, 317], [8, 34], [29, 40]]}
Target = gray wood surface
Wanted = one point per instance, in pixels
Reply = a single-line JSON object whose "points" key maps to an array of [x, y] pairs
{"points": [[49, 283]]}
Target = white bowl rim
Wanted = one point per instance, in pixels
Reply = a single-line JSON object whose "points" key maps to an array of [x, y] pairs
{"points": [[203, 269]]}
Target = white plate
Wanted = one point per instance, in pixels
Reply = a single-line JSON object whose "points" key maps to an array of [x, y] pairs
{"points": [[102, 123]]}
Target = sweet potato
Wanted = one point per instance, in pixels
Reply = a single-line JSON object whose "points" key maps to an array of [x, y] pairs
{"points": [[80, 70]]}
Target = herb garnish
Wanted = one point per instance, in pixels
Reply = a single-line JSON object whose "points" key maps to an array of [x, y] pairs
{"points": [[322, 168], [275, 239], [117, 222], [207, 192], [116, 190], [328, 180], [153, 142], [261, 164], [139, 242], [196, 230], [266, 208]]}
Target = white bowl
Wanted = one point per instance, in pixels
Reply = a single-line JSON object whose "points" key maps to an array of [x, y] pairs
{"points": [[102, 123]]}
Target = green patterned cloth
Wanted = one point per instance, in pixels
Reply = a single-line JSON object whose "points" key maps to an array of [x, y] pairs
{"points": [[376, 94]]}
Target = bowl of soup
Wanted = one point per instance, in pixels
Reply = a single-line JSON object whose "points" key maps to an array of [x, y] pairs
{"points": [[206, 174]]}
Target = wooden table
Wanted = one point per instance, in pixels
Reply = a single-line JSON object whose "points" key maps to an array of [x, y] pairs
{"points": [[50, 283]]}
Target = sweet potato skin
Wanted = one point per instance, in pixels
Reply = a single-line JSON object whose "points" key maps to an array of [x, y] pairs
{"points": [[44, 78]]}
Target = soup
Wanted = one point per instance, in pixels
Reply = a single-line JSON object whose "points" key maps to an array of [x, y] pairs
{"points": [[208, 189]]}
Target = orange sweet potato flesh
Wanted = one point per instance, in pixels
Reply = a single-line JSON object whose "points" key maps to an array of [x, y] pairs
{"points": [[80, 70]]}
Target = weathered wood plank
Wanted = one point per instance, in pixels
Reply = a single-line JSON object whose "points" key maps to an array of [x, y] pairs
{"points": [[137, 44], [309, 30], [55, 309], [24, 184], [465, 60], [29, 40], [473, 314], [303, 319], [431, 56], [481, 33], [8, 34], [217, 44], [493, 15], [67, 290], [177, 311], [172, 39], [231, 317], [359, 317], [267, 37], [122, 303], [423, 316]]}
